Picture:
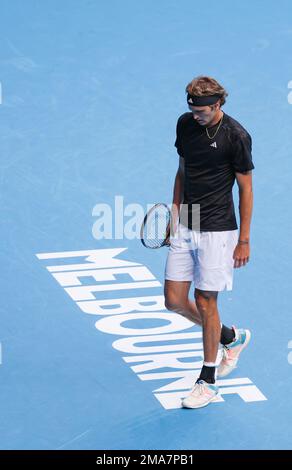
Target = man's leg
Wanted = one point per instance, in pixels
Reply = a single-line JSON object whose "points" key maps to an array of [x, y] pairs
{"points": [[205, 390], [177, 300], [206, 302]]}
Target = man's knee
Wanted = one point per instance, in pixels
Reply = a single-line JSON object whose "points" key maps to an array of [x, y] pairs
{"points": [[205, 299], [176, 295], [172, 303]]}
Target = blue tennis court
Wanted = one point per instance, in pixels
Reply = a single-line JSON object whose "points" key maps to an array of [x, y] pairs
{"points": [[90, 96]]}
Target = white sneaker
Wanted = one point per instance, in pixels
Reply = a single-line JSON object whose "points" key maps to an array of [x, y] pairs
{"points": [[201, 395], [231, 352]]}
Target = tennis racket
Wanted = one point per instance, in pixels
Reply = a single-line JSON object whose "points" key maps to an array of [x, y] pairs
{"points": [[155, 229]]}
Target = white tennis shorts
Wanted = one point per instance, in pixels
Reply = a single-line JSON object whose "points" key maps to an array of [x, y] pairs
{"points": [[206, 258]]}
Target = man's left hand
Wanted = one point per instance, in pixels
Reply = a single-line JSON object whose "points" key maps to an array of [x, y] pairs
{"points": [[241, 255]]}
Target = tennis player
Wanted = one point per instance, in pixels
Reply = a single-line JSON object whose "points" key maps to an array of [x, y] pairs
{"points": [[214, 151]]}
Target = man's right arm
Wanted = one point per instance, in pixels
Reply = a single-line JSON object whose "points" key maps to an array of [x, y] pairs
{"points": [[178, 191]]}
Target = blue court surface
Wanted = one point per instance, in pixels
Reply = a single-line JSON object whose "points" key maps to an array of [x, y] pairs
{"points": [[90, 95]]}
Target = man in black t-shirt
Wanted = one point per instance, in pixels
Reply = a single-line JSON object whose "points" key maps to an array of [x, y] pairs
{"points": [[214, 151]]}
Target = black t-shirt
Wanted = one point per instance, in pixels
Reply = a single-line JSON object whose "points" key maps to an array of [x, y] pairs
{"points": [[210, 166]]}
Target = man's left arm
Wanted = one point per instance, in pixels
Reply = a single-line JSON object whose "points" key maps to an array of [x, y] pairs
{"points": [[242, 251]]}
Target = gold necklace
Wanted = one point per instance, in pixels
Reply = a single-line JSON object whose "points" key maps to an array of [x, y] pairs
{"points": [[220, 122]]}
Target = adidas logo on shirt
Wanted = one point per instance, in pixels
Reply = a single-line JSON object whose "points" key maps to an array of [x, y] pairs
{"points": [[213, 145]]}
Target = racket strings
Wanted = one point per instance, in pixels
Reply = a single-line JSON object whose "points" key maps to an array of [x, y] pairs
{"points": [[156, 227]]}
